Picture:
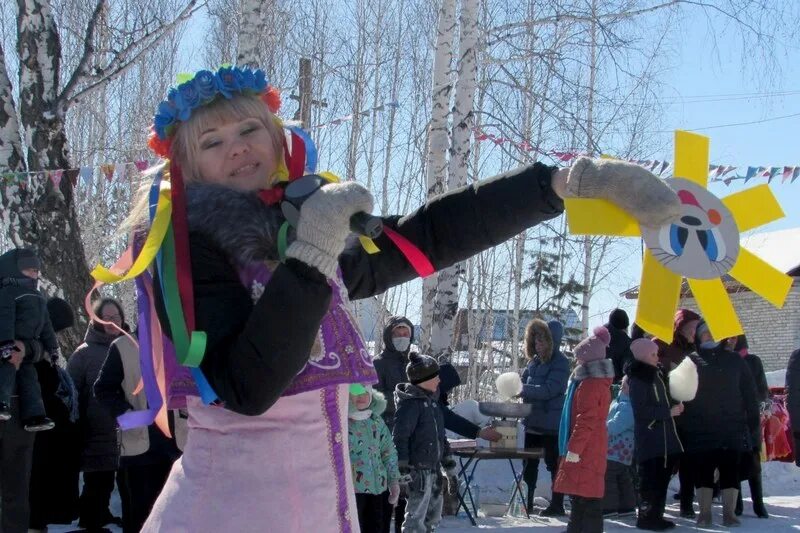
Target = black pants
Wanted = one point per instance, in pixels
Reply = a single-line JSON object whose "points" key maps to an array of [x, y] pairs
{"points": [[26, 383], [530, 472], [619, 495], [139, 487], [586, 515], [654, 476], [399, 515], [686, 477], [16, 457], [726, 461], [371, 516], [95, 499]]}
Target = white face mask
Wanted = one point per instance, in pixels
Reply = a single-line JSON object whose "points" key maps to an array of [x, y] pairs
{"points": [[401, 344], [708, 345]]}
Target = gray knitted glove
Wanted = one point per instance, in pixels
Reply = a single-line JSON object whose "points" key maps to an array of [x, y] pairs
{"points": [[636, 190], [324, 224]]}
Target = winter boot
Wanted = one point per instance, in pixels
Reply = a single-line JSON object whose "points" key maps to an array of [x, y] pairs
{"points": [[705, 495], [728, 507], [686, 496], [5, 412], [556, 507], [38, 423], [757, 495], [575, 523]]}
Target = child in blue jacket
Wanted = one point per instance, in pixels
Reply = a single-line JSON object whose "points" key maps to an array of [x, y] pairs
{"points": [[620, 496]]}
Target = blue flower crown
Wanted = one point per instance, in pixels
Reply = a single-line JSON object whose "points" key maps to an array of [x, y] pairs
{"points": [[201, 89]]}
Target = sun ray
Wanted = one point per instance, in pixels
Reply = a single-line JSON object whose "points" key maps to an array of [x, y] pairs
{"points": [[586, 216], [716, 307], [691, 157], [754, 207], [658, 298], [762, 278]]}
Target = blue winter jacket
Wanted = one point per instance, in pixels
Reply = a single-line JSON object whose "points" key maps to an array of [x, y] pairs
{"points": [[620, 430], [544, 386]]}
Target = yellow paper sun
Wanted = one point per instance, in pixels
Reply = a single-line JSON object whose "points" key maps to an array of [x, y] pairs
{"points": [[702, 246]]}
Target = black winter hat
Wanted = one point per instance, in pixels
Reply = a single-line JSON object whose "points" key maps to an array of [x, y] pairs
{"points": [[61, 314], [421, 368], [619, 319], [27, 258]]}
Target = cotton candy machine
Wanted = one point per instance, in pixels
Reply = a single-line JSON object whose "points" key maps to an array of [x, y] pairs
{"points": [[505, 416]]}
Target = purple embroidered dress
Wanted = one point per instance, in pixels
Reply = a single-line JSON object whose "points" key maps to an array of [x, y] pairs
{"points": [[287, 470]]}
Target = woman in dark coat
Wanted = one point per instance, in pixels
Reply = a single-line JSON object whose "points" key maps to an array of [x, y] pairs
{"points": [[53, 491], [751, 463], [717, 426], [99, 443], [544, 384]]}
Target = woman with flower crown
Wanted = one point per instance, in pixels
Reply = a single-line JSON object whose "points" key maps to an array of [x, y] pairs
{"points": [[267, 401]]}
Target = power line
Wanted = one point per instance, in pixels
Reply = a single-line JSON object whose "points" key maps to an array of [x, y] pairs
{"points": [[771, 119]]}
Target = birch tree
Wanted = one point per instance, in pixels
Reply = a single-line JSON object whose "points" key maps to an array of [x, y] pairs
{"points": [[38, 212], [438, 143]]}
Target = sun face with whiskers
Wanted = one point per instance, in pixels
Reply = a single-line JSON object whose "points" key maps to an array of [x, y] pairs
{"points": [[703, 243], [701, 246]]}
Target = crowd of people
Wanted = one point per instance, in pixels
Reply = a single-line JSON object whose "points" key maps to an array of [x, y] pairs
{"points": [[698, 418], [62, 451], [281, 384]]}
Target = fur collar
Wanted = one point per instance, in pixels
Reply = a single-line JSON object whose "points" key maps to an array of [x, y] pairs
{"points": [[601, 368], [238, 223], [643, 371]]}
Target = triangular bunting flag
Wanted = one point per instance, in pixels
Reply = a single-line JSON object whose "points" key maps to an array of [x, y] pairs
{"points": [[141, 166], [85, 174], [773, 171], [787, 173], [751, 172], [795, 174], [107, 170], [55, 177], [122, 171]]}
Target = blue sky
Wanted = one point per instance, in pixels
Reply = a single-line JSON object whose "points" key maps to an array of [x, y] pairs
{"points": [[707, 86]]}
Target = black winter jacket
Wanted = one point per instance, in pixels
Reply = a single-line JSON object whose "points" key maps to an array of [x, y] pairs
{"points": [[655, 432], [254, 350], [619, 351], [418, 432], [390, 366], [757, 371], [109, 392], [724, 413], [23, 309], [100, 447]]}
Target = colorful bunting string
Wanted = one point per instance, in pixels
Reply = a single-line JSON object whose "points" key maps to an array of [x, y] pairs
{"points": [[84, 175], [716, 173]]}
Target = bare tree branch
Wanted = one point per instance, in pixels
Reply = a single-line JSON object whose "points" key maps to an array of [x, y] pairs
{"points": [[122, 62], [88, 52]]}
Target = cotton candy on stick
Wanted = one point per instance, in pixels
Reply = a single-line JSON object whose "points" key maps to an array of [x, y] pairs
{"points": [[509, 385]]}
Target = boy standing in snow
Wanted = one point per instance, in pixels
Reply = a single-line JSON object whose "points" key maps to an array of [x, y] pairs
{"points": [[23, 317], [421, 444], [620, 497]]}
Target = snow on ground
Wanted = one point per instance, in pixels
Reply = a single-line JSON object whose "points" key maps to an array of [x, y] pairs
{"points": [[781, 489], [776, 378]]}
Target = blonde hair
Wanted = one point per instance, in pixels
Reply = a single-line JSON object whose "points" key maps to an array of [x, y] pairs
{"points": [[185, 146]]}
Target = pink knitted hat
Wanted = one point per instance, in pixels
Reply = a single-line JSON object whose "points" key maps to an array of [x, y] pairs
{"points": [[594, 347], [641, 348]]}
